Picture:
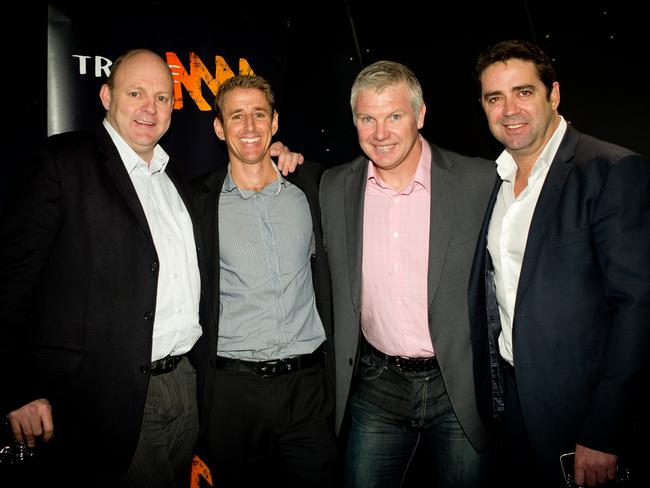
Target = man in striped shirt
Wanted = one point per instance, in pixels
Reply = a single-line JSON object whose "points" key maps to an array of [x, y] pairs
{"points": [[270, 414]]}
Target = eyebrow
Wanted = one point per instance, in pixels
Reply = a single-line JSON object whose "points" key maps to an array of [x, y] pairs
{"points": [[517, 88], [529, 86], [255, 109]]}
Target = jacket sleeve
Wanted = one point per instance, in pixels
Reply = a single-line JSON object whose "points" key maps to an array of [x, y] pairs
{"points": [[28, 230], [621, 237]]}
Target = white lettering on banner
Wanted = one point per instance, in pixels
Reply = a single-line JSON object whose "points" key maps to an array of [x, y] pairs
{"points": [[102, 65], [82, 63]]}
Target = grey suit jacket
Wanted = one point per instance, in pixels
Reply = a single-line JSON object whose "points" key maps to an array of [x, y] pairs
{"points": [[460, 188]]}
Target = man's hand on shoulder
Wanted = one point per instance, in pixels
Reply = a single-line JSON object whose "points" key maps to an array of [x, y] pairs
{"points": [[287, 161]]}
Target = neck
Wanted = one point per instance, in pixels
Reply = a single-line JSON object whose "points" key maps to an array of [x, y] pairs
{"points": [[253, 176]]}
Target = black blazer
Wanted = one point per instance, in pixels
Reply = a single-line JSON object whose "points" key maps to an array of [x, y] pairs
{"points": [[78, 284], [207, 190], [581, 334]]}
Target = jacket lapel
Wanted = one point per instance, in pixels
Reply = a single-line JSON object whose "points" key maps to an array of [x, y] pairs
{"points": [[116, 170], [209, 222], [443, 189], [355, 184], [546, 209]]}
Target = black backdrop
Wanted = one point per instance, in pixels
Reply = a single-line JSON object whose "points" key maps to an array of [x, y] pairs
{"points": [[311, 51]]}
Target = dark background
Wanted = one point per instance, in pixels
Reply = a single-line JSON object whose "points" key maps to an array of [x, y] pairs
{"points": [[311, 52]]}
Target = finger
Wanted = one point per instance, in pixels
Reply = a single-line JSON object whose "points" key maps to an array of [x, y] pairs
{"points": [[601, 475], [16, 429], [36, 426], [28, 435], [579, 476], [48, 428], [591, 477], [277, 149]]}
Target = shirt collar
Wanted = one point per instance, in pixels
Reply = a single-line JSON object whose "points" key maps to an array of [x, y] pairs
{"points": [[274, 187], [131, 159], [507, 168]]}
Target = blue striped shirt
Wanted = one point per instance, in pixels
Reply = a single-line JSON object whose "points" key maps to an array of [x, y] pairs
{"points": [[267, 303]]}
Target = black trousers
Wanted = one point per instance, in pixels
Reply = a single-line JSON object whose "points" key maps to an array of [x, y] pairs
{"points": [[275, 431], [516, 464]]}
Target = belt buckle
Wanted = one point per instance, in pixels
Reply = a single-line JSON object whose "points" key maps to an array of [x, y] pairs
{"points": [[267, 369]]}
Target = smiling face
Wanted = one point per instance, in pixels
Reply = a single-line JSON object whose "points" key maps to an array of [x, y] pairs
{"points": [[521, 114], [248, 126], [388, 127], [140, 104]]}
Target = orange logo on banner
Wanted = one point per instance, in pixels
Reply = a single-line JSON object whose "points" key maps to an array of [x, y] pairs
{"points": [[199, 73]]}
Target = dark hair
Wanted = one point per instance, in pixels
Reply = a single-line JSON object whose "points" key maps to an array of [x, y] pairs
{"points": [[242, 81], [516, 49]]}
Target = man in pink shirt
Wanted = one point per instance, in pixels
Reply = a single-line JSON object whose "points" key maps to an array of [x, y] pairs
{"points": [[400, 227]]}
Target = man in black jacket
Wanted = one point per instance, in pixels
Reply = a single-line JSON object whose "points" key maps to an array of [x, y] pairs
{"points": [[271, 406]]}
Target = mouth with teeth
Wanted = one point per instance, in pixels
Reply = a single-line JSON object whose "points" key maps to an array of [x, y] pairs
{"points": [[145, 123], [249, 140], [384, 149]]}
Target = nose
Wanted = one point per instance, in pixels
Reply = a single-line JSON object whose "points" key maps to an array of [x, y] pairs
{"points": [[150, 105], [381, 132], [510, 106], [249, 123]]}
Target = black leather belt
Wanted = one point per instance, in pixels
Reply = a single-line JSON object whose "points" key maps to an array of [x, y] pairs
{"points": [[405, 364], [165, 365], [276, 367]]}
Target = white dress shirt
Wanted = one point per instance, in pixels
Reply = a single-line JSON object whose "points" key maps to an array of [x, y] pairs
{"points": [[176, 325], [508, 230]]}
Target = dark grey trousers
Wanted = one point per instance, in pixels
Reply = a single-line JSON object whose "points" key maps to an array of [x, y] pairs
{"points": [[169, 431]]}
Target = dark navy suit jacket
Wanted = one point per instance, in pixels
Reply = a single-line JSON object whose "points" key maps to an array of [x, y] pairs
{"points": [[581, 333]]}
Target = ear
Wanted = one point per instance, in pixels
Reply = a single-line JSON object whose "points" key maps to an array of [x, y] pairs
{"points": [[274, 123], [423, 110], [218, 129], [105, 96], [555, 96]]}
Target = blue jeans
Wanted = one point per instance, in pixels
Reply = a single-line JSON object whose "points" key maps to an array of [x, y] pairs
{"points": [[392, 414]]}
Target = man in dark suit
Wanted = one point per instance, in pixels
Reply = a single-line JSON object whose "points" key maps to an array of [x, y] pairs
{"points": [[560, 287], [269, 422], [99, 296], [400, 226]]}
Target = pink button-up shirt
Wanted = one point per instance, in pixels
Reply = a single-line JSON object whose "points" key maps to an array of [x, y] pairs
{"points": [[395, 265]]}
